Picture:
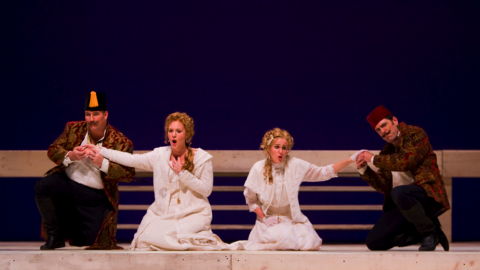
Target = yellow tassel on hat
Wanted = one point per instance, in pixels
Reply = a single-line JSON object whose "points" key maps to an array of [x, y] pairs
{"points": [[93, 100]]}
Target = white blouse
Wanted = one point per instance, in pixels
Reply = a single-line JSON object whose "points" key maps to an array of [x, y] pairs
{"points": [[259, 193]]}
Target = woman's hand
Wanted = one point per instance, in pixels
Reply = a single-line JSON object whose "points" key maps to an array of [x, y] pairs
{"points": [[271, 220], [363, 159], [177, 163], [93, 153], [267, 220], [355, 155], [77, 153], [91, 150]]}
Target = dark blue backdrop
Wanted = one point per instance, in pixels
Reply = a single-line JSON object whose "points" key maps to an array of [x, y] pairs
{"points": [[240, 68]]}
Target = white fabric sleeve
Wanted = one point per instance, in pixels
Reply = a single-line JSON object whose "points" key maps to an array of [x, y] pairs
{"points": [[316, 173], [251, 199], [202, 184], [372, 166], [105, 165], [362, 170], [140, 161], [67, 161]]}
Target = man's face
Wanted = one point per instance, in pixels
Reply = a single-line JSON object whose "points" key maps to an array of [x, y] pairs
{"points": [[96, 120], [387, 129]]}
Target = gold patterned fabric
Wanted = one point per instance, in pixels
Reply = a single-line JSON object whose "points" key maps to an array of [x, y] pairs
{"points": [[412, 153], [72, 136]]}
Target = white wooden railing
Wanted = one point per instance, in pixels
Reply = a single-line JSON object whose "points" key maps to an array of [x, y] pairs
{"points": [[452, 163]]}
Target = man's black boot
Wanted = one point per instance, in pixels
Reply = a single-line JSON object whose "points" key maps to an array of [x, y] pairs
{"points": [[429, 242], [406, 239], [424, 225], [442, 238], [53, 242], [49, 219]]}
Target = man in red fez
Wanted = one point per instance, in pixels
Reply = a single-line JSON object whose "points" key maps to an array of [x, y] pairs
{"points": [[78, 199], [406, 172]]}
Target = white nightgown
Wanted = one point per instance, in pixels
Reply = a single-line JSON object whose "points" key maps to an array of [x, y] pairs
{"points": [[280, 199], [180, 216]]}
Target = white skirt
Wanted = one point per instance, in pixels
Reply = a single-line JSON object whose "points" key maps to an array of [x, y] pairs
{"points": [[165, 233], [285, 235]]}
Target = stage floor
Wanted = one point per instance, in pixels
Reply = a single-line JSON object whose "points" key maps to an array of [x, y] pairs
{"points": [[454, 247], [26, 256]]}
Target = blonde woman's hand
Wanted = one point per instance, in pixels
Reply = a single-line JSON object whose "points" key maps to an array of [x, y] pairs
{"points": [[176, 165], [77, 153], [355, 155], [270, 220], [93, 153]]}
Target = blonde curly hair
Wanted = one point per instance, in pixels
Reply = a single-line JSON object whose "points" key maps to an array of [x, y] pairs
{"points": [[265, 145], [189, 125]]}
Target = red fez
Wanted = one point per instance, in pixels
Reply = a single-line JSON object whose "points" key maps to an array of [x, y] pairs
{"points": [[377, 114]]}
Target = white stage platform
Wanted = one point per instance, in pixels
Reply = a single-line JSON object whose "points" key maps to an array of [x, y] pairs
{"points": [[26, 256]]}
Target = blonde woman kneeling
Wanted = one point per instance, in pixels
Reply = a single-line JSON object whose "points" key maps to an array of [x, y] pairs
{"points": [[271, 191], [180, 216]]}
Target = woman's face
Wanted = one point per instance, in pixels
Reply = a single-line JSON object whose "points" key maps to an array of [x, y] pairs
{"points": [[176, 135], [278, 150]]}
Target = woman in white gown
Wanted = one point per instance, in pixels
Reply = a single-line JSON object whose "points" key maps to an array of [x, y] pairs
{"points": [[180, 216], [271, 191]]}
